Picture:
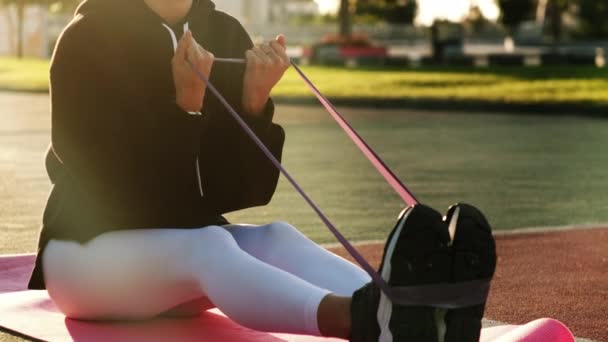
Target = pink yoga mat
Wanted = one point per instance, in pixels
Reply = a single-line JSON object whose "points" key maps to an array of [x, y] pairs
{"points": [[33, 314]]}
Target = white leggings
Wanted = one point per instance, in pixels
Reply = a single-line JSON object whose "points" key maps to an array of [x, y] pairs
{"points": [[269, 278]]}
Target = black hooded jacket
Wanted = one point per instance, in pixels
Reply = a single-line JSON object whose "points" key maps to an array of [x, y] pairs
{"points": [[123, 154]]}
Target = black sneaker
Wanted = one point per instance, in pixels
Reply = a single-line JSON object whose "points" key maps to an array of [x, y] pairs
{"points": [[474, 258], [416, 253]]}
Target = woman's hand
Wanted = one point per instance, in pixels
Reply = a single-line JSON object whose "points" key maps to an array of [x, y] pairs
{"points": [[266, 64], [189, 88]]}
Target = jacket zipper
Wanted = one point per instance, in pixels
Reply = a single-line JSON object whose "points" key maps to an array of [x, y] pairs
{"points": [[198, 176]]}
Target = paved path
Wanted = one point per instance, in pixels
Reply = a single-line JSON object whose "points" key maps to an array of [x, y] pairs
{"points": [[24, 135]]}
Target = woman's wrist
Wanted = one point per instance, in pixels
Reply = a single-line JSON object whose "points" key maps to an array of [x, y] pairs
{"points": [[254, 105], [190, 101]]}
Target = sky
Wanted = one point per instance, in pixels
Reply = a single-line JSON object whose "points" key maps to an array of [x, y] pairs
{"points": [[428, 10]]}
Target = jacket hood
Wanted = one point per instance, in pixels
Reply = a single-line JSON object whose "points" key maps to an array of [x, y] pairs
{"points": [[138, 9]]}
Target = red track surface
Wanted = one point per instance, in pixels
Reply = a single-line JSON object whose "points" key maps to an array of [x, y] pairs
{"points": [[563, 275]]}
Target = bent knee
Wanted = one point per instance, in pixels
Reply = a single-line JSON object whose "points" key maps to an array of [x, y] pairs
{"points": [[216, 233], [208, 242]]}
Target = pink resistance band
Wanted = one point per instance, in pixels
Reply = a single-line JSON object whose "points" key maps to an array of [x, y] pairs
{"points": [[405, 194], [446, 296]]}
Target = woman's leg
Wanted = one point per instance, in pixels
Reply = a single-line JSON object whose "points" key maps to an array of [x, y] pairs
{"points": [[283, 246], [140, 273]]}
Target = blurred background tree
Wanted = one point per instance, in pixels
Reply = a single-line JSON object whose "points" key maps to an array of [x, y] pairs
{"points": [[556, 10], [20, 6], [390, 11], [475, 20], [514, 12], [345, 20], [593, 18]]}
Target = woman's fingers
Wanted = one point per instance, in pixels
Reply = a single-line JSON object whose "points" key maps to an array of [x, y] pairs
{"points": [[251, 57], [281, 40], [183, 46], [189, 60], [280, 51], [262, 58], [194, 52], [199, 57], [207, 58], [254, 61], [271, 53], [266, 64]]}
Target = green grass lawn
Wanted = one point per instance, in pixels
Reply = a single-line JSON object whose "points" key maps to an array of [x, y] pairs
{"points": [[517, 85], [27, 74]]}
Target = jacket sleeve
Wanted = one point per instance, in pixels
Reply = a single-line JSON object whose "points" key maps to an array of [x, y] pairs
{"points": [[235, 172], [103, 135]]}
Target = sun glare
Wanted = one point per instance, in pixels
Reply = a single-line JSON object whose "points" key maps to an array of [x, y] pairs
{"points": [[327, 6]]}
